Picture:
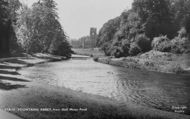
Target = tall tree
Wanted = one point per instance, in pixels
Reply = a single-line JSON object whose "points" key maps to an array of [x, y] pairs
{"points": [[13, 7], [5, 25], [156, 17], [39, 29], [108, 30], [24, 27], [45, 23]]}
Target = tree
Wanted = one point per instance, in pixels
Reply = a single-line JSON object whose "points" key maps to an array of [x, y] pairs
{"points": [[63, 49], [39, 29], [108, 30], [24, 27], [106, 34], [155, 16], [13, 7], [140, 7], [5, 25], [181, 12], [8, 16]]}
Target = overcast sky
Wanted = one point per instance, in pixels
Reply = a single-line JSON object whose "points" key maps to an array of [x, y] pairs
{"points": [[77, 16]]}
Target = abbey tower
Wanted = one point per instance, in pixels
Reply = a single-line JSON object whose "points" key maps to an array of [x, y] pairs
{"points": [[93, 37]]}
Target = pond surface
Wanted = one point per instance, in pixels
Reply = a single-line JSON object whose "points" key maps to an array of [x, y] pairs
{"points": [[156, 90]]}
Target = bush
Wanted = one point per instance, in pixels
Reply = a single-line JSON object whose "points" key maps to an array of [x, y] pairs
{"points": [[134, 49], [180, 45], [161, 44], [125, 47], [64, 49], [182, 33], [116, 51], [95, 59], [106, 47], [143, 42]]}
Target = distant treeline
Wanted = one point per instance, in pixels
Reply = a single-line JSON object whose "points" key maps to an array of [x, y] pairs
{"points": [[162, 25], [31, 29]]}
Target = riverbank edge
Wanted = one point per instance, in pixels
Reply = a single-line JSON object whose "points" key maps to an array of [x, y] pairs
{"points": [[139, 63], [40, 59], [132, 64], [151, 61]]}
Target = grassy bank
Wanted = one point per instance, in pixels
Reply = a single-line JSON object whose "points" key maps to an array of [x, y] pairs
{"points": [[29, 60], [92, 107], [151, 61]]}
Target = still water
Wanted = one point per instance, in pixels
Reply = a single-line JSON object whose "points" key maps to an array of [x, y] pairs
{"points": [[155, 90]]}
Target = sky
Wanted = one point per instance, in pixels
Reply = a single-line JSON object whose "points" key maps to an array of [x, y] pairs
{"points": [[78, 16]]}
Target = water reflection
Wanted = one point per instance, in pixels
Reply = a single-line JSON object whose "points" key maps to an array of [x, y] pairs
{"points": [[151, 89]]}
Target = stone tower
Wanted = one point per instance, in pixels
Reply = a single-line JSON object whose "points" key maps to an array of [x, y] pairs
{"points": [[93, 36]]}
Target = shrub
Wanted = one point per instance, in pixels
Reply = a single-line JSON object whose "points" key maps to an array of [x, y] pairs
{"points": [[116, 51], [134, 49], [180, 45], [182, 32], [143, 43], [161, 44], [106, 47], [125, 47], [157, 40], [95, 59], [64, 49]]}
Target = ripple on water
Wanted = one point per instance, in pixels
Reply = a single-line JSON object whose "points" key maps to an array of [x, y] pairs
{"points": [[158, 90]]}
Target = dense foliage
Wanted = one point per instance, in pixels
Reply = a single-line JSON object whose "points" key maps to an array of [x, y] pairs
{"points": [[133, 31], [4, 24], [35, 29], [8, 40]]}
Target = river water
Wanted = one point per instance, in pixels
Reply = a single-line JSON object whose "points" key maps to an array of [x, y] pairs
{"points": [[156, 90]]}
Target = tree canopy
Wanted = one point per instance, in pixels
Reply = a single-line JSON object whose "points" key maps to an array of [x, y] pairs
{"points": [[31, 29], [135, 28], [39, 29], [5, 28]]}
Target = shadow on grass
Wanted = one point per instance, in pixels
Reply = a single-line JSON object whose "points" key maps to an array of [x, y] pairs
{"points": [[12, 79], [9, 86], [8, 67], [17, 61], [9, 72]]}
